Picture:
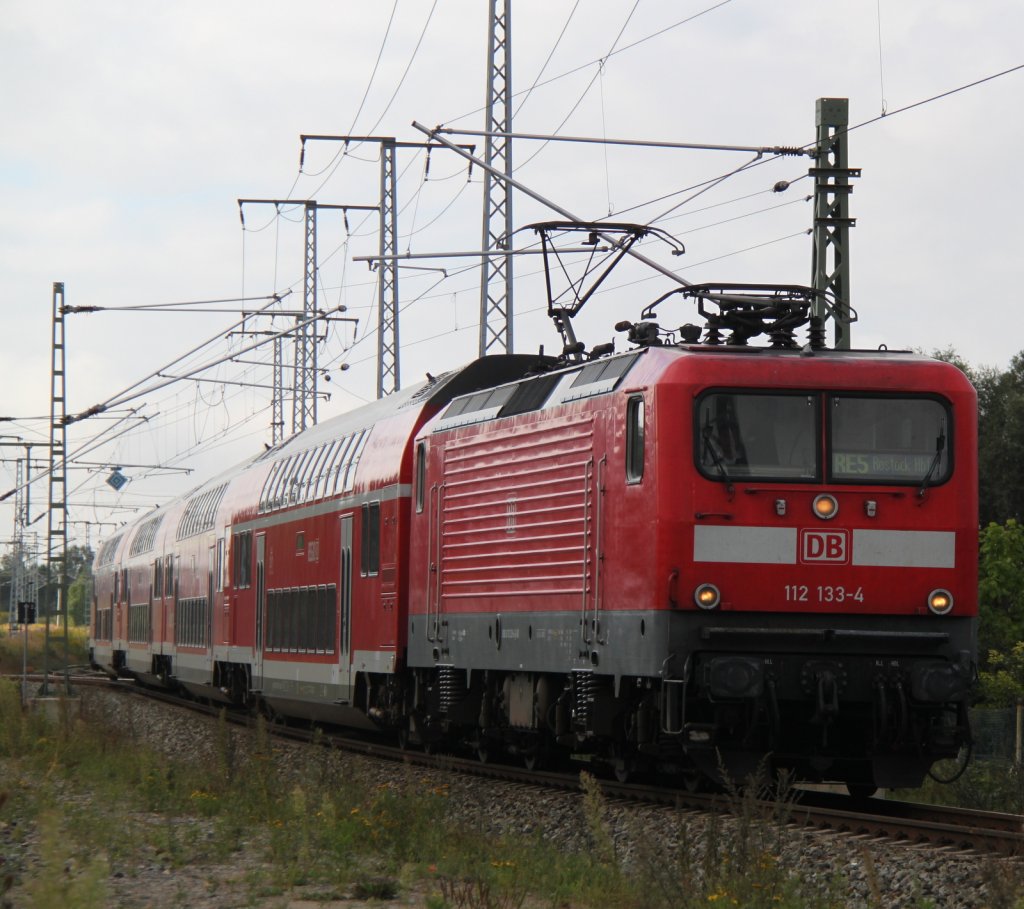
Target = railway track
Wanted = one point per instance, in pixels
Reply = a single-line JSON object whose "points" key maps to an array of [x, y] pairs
{"points": [[938, 825], [955, 829]]}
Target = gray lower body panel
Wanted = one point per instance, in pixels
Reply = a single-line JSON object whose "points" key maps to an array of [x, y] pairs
{"points": [[656, 643]]}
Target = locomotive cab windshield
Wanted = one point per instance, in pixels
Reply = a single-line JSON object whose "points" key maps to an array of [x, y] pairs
{"points": [[885, 440]]}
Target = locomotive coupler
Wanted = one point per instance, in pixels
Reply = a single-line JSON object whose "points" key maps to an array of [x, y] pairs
{"points": [[827, 700]]}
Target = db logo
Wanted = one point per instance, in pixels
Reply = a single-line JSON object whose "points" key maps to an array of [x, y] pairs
{"points": [[824, 546]]}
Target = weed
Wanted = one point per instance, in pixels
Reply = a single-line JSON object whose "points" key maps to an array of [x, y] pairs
{"points": [[594, 812], [64, 878], [480, 893], [731, 858], [375, 888], [1005, 883]]}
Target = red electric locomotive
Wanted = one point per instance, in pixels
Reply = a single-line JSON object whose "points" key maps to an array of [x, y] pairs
{"points": [[691, 557]]}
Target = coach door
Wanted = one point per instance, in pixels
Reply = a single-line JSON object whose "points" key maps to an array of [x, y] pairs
{"points": [[345, 605], [211, 562], [257, 672]]}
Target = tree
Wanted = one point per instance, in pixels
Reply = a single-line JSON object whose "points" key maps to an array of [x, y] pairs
{"points": [[79, 572], [1002, 684], [1001, 587], [1001, 442], [1000, 436]]}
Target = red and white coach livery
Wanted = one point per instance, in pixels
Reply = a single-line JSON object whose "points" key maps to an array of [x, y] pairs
{"points": [[690, 557]]}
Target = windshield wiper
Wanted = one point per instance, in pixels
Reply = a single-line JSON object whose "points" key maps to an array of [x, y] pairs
{"points": [[940, 447], [711, 447]]}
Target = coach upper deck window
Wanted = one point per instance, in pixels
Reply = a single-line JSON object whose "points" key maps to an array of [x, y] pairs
{"points": [[888, 439], [746, 435]]}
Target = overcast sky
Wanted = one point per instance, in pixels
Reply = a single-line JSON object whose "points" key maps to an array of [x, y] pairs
{"points": [[129, 130]]}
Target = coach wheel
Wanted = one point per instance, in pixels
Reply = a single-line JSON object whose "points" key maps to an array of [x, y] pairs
{"points": [[623, 771], [693, 781], [270, 716], [533, 760], [861, 790]]}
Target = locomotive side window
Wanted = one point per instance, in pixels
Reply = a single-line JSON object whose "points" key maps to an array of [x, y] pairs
{"points": [[421, 474], [888, 440], [370, 552], [762, 436], [635, 439]]}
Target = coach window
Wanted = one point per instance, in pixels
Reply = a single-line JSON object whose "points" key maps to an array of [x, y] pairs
{"points": [[241, 551], [266, 497], [219, 566], [325, 470], [277, 492], [294, 479], [338, 466], [312, 482], [421, 474], [370, 552], [353, 460], [884, 439], [169, 576], [635, 439]]}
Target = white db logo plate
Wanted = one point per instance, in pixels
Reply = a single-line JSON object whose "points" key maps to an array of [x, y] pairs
{"points": [[825, 546]]}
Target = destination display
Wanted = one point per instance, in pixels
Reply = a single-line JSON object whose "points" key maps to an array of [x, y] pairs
{"points": [[881, 465]]}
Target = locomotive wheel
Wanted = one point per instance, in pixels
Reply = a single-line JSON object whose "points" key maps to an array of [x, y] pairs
{"points": [[861, 790], [483, 754]]}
